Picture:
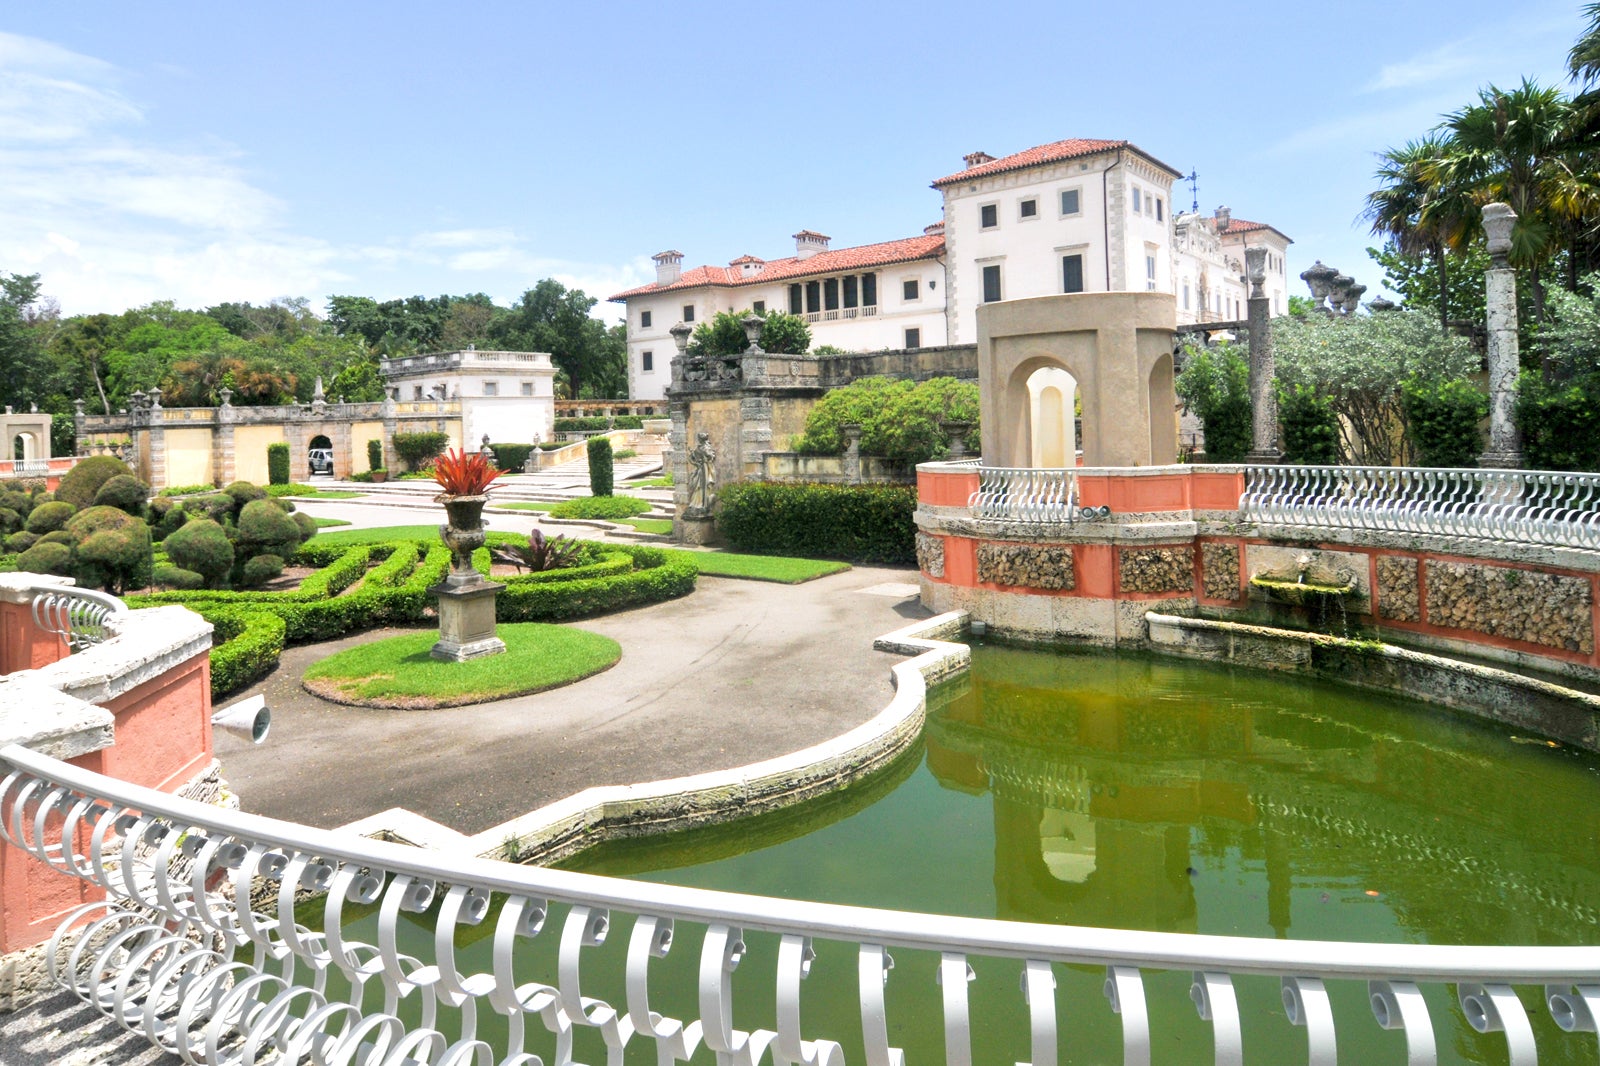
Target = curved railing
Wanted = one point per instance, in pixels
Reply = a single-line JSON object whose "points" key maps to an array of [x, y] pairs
{"points": [[1537, 507], [80, 616], [205, 955], [1029, 494]]}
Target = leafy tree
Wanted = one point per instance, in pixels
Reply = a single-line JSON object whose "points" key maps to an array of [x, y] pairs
{"points": [[1420, 212], [722, 334], [1310, 428], [785, 334], [21, 351], [1215, 385], [1359, 362], [899, 420], [1442, 420], [1414, 276], [550, 318]]}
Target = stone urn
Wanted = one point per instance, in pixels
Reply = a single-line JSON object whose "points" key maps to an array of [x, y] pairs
{"points": [[462, 534]]}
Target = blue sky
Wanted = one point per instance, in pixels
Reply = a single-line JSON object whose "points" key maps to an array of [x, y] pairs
{"points": [[204, 152]]}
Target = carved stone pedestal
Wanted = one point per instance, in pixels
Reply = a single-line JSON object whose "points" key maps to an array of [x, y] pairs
{"points": [[466, 620], [697, 529]]}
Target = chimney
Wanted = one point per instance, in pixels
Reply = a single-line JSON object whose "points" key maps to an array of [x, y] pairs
{"points": [[1224, 216], [748, 266], [808, 243], [977, 159], [669, 266], [935, 230]]}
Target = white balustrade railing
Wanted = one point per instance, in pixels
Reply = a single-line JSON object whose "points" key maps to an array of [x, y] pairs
{"points": [[1030, 494], [24, 467], [1536, 507], [79, 616], [199, 947]]}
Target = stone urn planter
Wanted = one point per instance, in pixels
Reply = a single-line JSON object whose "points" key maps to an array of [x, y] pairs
{"points": [[380, 476], [466, 598]]}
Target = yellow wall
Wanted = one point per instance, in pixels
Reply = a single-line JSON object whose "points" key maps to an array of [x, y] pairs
{"points": [[250, 451], [789, 416], [188, 457], [360, 433]]}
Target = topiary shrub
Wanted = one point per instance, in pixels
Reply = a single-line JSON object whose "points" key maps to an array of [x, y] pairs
{"points": [[49, 517], [215, 506], [1442, 420], [10, 521], [241, 493], [374, 454], [307, 524], [202, 546], [79, 485], [278, 463], [126, 493], [510, 456], [168, 521], [415, 449], [60, 536], [600, 507], [20, 502], [601, 474], [590, 423], [899, 420], [260, 569], [165, 575], [1310, 427], [861, 523], [21, 542], [46, 559], [264, 528], [111, 550]]}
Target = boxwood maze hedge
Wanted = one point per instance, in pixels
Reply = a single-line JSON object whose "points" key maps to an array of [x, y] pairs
{"points": [[344, 595]]}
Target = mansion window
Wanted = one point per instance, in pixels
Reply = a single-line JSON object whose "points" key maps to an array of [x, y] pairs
{"points": [[688, 312], [1070, 202], [869, 290], [491, 388], [644, 319], [1137, 206], [908, 289], [1072, 273], [647, 361], [813, 296], [825, 297], [760, 307], [1159, 209], [991, 284], [1186, 296], [1028, 208], [1150, 272], [416, 392], [527, 388], [830, 294], [796, 303], [989, 216], [852, 291], [913, 338]]}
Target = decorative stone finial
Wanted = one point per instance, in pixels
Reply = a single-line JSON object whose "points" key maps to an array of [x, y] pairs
{"points": [[752, 324], [1380, 304], [680, 336], [317, 395], [1318, 277], [1497, 222], [226, 395], [1255, 260]]}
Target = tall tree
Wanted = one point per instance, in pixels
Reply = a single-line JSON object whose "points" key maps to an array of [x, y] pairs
{"points": [[21, 348], [1419, 213], [551, 318]]}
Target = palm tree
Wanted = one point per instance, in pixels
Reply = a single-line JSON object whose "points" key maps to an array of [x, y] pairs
{"points": [[1418, 213], [1514, 147]]}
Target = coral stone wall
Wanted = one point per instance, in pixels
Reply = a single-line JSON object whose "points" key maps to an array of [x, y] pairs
{"points": [[1546, 609], [1219, 570], [1399, 596], [930, 555], [1154, 570], [1026, 565]]}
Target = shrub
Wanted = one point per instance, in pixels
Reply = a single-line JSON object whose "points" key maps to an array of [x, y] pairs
{"points": [[552, 445], [540, 553], [21, 542], [166, 575], [865, 523], [185, 490], [374, 454], [49, 517], [126, 493], [169, 522], [307, 524], [46, 559], [1310, 427], [600, 470], [264, 528], [278, 463], [112, 549], [60, 536], [1560, 422], [10, 521], [363, 476], [605, 507], [785, 334], [655, 578], [20, 502], [720, 335], [293, 488], [899, 420], [246, 645], [79, 485], [415, 449], [203, 547], [1442, 418], [260, 569], [241, 493], [591, 423], [1215, 385], [510, 456], [625, 453]]}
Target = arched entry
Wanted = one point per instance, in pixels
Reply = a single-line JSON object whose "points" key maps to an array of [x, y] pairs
{"points": [[319, 455], [1052, 395], [1163, 409]]}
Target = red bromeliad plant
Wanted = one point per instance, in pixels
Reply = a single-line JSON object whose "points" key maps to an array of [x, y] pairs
{"points": [[464, 473]]}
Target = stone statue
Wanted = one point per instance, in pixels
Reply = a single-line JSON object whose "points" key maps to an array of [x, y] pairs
{"points": [[702, 474]]}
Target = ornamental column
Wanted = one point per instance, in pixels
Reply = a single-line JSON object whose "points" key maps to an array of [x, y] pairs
{"points": [[1263, 371], [1500, 302]]}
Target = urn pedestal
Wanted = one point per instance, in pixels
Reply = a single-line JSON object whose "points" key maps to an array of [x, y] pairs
{"points": [[697, 526], [466, 598]]}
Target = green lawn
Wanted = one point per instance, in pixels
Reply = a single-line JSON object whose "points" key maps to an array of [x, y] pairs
{"points": [[781, 568], [301, 491], [399, 672], [648, 525], [324, 523], [528, 505], [664, 482]]}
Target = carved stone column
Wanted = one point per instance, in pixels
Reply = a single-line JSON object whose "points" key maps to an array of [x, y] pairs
{"points": [[1500, 301], [1263, 369], [852, 452], [223, 465]]}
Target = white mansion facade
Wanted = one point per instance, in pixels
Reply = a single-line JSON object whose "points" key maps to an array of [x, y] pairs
{"points": [[1072, 216]]}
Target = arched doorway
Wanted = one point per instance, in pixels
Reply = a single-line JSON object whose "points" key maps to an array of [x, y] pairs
{"points": [[319, 456], [1052, 402]]}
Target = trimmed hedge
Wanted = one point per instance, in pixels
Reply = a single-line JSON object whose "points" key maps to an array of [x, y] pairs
{"points": [[374, 454], [415, 449], [596, 422], [511, 456], [278, 463], [604, 507], [858, 523], [601, 476], [246, 644], [658, 577]]}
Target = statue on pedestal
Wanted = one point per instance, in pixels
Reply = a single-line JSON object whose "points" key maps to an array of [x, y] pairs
{"points": [[702, 475]]}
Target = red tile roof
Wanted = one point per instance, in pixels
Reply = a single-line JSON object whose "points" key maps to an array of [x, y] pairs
{"points": [[829, 262], [1239, 225], [1048, 153]]}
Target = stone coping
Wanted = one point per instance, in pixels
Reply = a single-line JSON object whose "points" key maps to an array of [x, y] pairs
{"points": [[586, 818], [1504, 696]]}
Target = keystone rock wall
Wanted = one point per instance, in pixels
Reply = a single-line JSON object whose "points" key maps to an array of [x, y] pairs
{"points": [[1025, 565], [1547, 609], [1157, 569], [1398, 596], [1219, 570]]}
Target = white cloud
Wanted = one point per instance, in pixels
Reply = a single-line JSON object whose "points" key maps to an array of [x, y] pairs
{"points": [[113, 219], [1424, 69]]}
